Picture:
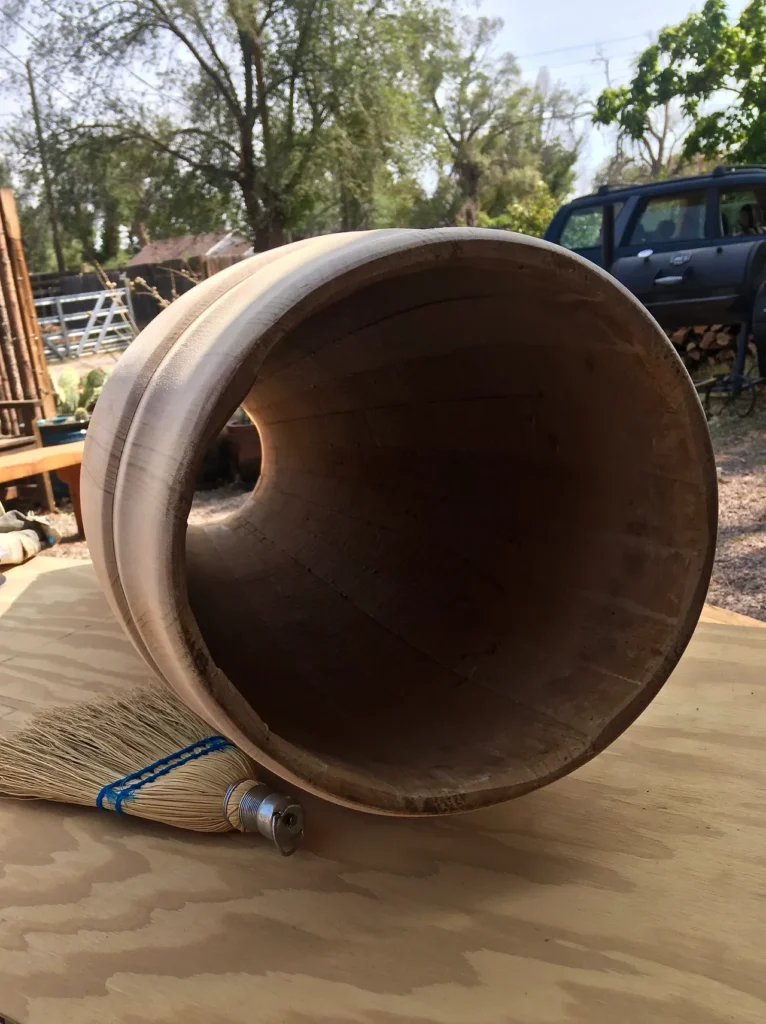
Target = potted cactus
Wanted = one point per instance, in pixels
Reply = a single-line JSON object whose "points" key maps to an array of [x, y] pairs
{"points": [[76, 396]]}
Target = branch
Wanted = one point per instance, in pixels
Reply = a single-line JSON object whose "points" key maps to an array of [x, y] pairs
{"points": [[266, 17], [198, 165], [212, 136], [121, 134], [211, 46], [245, 44], [452, 140], [260, 96], [318, 117], [300, 47], [117, 133], [230, 98]]}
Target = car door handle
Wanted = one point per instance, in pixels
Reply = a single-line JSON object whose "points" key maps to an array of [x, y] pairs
{"points": [[669, 279]]}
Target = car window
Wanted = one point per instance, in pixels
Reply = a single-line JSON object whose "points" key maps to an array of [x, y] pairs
{"points": [[742, 211], [583, 228], [674, 218]]}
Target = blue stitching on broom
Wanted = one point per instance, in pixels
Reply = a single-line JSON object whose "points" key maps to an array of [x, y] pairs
{"points": [[126, 787]]}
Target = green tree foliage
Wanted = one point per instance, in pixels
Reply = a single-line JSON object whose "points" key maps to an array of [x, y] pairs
{"points": [[490, 126], [530, 211], [715, 69], [264, 95], [111, 199], [282, 118]]}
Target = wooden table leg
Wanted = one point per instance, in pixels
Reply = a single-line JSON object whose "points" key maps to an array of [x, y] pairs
{"points": [[70, 475]]}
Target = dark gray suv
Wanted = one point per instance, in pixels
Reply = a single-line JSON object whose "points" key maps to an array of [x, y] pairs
{"points": [[692, 250]]}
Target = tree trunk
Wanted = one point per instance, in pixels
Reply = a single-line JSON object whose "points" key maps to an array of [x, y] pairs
{"points": [[270, 233], [85, 233], [468, 174], [268, 225], [468, 214], [140, 234], [253, 212], [354, 214], [110, 236]]}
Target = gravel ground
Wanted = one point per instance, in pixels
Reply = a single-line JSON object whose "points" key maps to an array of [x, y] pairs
{"points": [[207, 505], [739, 576]]}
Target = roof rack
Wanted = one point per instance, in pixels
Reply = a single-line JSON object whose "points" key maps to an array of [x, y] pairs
{"points": [[717, 172], [732, 168]]}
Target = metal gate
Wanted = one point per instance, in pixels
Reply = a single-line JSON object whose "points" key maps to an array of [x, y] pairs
{"points": [[79, 325]]}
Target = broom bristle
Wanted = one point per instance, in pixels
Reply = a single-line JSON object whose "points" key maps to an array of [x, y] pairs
{"points": [[83, 754]]}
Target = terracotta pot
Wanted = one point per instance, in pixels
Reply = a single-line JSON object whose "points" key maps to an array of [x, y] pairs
{"points": [[483, 531]]}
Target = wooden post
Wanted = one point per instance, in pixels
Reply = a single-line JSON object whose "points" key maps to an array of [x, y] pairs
{"points": [[46, 173], [10, 224], [45, 487]]}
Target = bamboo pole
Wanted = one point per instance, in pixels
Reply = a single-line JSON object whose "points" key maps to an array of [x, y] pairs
{"points": [[11, 384], [15, 322], [10, 223], [9, 423], [6, 345]]}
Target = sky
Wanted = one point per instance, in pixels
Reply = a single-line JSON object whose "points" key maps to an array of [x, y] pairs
{"points": [[567, 38]]}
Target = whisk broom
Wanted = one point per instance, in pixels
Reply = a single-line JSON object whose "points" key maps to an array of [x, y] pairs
{"points": [[142, 752]]}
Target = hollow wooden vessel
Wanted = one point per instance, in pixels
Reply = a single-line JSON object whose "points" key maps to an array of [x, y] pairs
{"points": [[483, 531]]}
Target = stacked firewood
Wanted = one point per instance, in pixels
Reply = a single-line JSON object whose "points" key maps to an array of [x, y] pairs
{"points": [[708, 350]]}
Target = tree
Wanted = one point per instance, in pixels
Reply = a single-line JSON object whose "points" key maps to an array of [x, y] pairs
{"points": [[265, 96], [109, 198], [530, 212], [491, 126], [715, 70], [645, 151]]}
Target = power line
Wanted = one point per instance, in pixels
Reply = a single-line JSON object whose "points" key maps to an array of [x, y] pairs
{"points": [[615, 68], [12, 54], [591, 60], [23, 62], [581, 46], [122, 64]]}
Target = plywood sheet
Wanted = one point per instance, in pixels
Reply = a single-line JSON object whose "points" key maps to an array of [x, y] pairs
{"points": [[633, 891]]}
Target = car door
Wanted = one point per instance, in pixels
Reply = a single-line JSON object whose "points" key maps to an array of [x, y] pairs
{"points": [[665, 256]]}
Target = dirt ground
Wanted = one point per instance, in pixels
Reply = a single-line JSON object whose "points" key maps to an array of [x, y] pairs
{"points": [[207, 505], [739, 576]]}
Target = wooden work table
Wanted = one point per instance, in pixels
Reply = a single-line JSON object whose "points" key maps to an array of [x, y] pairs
{"points": [[64, 459], [633, 892]]}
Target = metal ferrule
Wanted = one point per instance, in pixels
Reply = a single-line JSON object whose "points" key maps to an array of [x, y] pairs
{"points": [[275, 816]]}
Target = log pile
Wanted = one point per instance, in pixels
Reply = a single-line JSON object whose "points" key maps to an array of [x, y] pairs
{"points": [[25, 384], [708, 350]]}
